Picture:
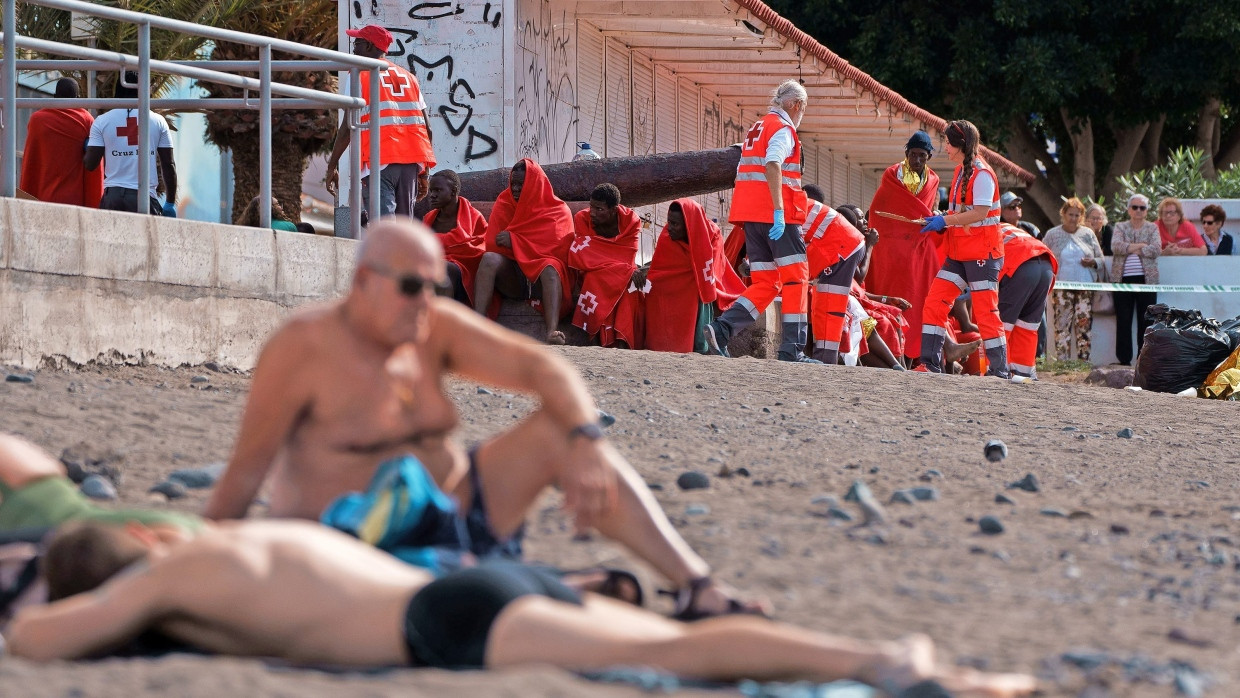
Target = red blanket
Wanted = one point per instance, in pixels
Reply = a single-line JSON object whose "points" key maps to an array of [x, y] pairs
{"points": [[606, 266], [465, 244], [892, 326], [541, 226], [684, 274], [52, 161], [734, 247], [904, 261]]}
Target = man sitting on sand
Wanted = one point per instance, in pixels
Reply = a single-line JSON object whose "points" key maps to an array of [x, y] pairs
{"points": [[527, 242], [307, 594], [604, 254], [344, 387]]}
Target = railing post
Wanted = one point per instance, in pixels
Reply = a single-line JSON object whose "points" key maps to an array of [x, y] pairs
{"points": [[264, 137], [144, 122], [375, 164], [8, 120], [355, 160]]}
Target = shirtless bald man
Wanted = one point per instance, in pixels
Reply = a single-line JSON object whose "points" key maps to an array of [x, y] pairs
{"points": [[344, 387], [311, 595]]}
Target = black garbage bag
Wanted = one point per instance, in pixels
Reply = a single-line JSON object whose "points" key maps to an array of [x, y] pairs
{"points": [[1181, 349], [1231, 328]]}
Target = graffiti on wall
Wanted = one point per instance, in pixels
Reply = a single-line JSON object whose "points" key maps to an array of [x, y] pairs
{"points": [[546, 94], [710, 123], [452, 48]]}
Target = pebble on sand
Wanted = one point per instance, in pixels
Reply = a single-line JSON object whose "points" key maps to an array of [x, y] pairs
{"points": [[605, 419], [995, 450], [1003, 499], [990, 525], [98, 487], [1125, 433], [1028, 483], [693, 480], [170, 489], [199, 379], [19, 378], [197, 478], [901, 497]]}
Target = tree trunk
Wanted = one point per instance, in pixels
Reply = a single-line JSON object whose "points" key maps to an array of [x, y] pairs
{"points": [[1151, 144], [1229, 150], [1207, 135], [1127, 143], [288, 166], [1027, 150], [1081, 131]]}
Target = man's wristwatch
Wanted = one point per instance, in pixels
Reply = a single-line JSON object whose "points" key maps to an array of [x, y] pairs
{"points": [[590, 431]]}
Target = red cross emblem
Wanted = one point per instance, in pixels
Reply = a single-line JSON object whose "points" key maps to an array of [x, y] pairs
{"points": [[396, 82], [129, 130]]}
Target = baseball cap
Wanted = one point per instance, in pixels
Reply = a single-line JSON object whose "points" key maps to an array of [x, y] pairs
{"points": [[375, 34], [1008, 199]]}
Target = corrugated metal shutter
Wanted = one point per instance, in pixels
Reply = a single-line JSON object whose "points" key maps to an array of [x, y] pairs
{"points": [[839, 182], [619, 99], [867, 193], [855, 186], [591, 99], [666, 126], [712, 121], [809, 167], [643, 105], [689, 137], [649, 231]]}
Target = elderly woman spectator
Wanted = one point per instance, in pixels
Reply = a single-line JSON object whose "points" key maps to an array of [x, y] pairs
{"points": [[1179, 237], [1077, 250], [1217, 242], [1096, 219], [1135, 247]]}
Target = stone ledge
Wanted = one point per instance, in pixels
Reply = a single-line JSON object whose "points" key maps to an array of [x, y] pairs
{"points": [[44, 239]]}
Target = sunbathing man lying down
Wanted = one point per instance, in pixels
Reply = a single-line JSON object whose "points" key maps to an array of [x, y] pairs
{"points": [[305, 593]]}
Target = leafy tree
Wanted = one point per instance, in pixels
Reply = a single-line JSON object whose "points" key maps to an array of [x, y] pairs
{"points": [[1115, 85]]}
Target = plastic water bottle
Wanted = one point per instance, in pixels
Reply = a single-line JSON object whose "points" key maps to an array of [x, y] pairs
{"points": [[584, 153]]}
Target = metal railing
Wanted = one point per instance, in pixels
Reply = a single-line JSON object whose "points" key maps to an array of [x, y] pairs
{"points": [[293, 97]]}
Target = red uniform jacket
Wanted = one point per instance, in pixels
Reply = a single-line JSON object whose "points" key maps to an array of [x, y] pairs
{"points": [[52, 167], [541, 227], [465, 244], [606, 265]]}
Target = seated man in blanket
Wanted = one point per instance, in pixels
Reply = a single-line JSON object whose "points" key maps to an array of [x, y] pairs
{"points": [[604, 255]]}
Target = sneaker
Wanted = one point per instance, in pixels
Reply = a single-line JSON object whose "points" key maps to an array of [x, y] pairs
{"points": [[802, 359], [1017, 378], [712, 342]]}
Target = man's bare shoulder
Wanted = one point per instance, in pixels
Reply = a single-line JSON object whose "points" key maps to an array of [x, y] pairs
{"points": [[306, 329]]}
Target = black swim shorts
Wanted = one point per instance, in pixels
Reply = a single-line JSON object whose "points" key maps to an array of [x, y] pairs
{"points": [[447, 623]]}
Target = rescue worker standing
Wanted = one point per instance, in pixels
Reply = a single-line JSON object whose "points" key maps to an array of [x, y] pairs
{"points": [[770, 205], [1028, 274], [404, 133], [974, 254]]}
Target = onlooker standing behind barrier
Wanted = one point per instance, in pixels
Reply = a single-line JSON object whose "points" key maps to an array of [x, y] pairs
{"points": [[1179, 237], [1078, 253], [114, 141], [1135, 246], [1096, 219], [1217, 242], [51, 135]]}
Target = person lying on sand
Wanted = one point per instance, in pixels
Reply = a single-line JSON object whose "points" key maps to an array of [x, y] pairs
{"points": [[307, 594], [344, 387]]}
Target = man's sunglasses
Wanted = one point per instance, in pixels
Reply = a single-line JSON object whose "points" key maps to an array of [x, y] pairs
{"points": [[411, 285], [1138, 208]]}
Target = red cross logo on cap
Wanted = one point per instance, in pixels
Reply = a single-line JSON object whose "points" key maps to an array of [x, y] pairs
{"points": [[129, 130], [397, 82]]}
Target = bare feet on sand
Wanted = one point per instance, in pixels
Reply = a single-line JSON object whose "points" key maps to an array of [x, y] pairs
{"points": [[910, 661], [555, 337], [957, 352]]}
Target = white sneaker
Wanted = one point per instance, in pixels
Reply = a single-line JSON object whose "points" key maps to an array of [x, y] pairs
{"points": [[1017, 378]]}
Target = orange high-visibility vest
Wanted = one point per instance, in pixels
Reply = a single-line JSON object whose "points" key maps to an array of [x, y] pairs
{"points": [[980, 240], [1020, 247], [751, 197], [829, 235], [403, 136]]}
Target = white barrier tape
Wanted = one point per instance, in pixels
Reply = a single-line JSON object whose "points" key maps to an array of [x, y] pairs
{"points": [[1148, 288]]}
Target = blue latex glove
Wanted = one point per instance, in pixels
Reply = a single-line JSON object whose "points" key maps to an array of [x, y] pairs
{"points": [[170, 210], [777, 228], [934, 224]]}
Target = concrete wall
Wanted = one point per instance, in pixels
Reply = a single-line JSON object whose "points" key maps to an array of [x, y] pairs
{"points": [[1179, 271], [82, 285]]}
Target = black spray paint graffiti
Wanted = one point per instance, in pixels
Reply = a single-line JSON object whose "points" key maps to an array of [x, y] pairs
{"points": [[546, 96], [459, 111], [486, 16], [357, 8], [643, 129], [710, 125], [733, 132]]}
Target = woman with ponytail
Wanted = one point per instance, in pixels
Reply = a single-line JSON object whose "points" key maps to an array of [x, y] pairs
{"points": [[974, 254]]}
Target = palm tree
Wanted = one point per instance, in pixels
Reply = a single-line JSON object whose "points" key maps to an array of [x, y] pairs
{"points": [[295, 134]]}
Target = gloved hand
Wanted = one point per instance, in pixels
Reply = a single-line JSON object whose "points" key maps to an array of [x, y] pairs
{"points": [[170, 210], [934, 224], [777, 228]]}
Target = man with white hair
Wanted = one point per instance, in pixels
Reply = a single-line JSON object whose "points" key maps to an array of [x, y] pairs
{"points": [[770, 205]]}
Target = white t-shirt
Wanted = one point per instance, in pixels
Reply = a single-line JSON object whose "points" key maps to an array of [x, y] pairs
{"points": [[116, 132]]}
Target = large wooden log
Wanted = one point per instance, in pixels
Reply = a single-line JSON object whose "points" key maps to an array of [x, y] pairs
{"points": [[642, 179]]}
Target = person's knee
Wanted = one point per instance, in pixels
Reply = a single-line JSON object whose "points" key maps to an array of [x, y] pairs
{"points": [[491, 261], [550, 278]]}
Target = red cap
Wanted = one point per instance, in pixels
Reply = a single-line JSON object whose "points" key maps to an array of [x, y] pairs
{"points": [[375, 34]]}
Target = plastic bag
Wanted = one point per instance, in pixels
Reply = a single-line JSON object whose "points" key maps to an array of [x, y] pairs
{"points": [[1232, 329], [1181, 348]]}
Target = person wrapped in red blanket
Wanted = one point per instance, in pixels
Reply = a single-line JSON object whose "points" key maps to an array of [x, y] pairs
{"points": [[527, 243], [52, 168], [904, 261], [461, 229], [604, 254], [687, 271]]}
